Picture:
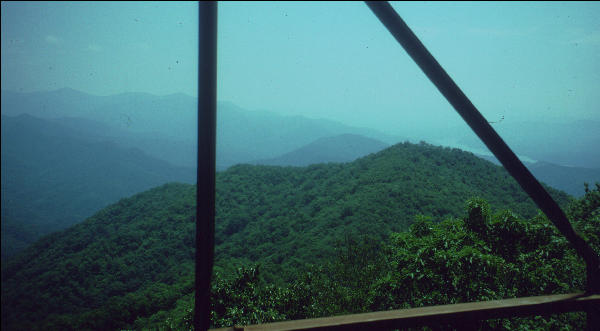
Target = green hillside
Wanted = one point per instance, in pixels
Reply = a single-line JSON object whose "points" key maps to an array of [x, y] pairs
{"points": [[261, 208], [134, 259]]}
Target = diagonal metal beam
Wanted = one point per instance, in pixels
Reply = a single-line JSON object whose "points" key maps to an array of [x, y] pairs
{"points": [[438, 76]]}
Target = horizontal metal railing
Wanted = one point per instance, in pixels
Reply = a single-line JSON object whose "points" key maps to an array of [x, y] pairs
{"points": [[467, 314]]}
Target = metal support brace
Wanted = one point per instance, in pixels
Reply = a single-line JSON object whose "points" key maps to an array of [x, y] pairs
{"points": [[438, 76]]}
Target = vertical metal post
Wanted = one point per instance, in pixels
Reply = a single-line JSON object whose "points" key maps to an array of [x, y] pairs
{"points": [[205, 198]]}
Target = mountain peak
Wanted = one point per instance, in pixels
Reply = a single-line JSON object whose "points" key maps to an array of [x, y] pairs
{"points": [[69, 91], [345, 147]]}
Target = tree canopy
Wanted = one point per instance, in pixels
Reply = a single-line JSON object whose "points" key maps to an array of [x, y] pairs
{"points": [[385, 231]]}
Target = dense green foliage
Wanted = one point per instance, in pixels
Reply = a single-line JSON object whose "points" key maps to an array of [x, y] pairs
{"points": [[282, 217], [481, 256], [131, 264], [138, 252]]}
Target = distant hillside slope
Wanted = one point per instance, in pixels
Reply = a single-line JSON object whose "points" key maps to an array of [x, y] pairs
{"points": [[176, 152], [54, 177], [341, 148], [246, 136], [570, 143], [568, 179], [172, 115], [140, 250]]}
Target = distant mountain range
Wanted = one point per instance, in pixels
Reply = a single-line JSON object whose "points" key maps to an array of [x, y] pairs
{"points": [[55, 160], [568, 179], [568, 143], [172, 116], [165, 126], [246, 136], [54, 176]]}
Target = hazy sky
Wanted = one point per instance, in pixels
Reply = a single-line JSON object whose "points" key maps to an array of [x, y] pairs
{"points": [[330, 60]]}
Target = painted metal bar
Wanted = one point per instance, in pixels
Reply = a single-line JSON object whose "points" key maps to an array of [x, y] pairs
{"points": [[205, 198], [467, 314], [461, 103]]}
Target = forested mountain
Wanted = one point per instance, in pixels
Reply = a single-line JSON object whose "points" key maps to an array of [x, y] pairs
{"points": [[344, 148], [341, 148], [54, 176], [134, 259], [137, 130], [329, 200]]}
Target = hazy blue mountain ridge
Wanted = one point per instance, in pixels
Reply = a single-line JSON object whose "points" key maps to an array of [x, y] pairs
{"points": [[341, 148], [173, 115], [54, 177], [165, 126], [566, 143], [177, 152], [568, 179], [245, 136]]}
